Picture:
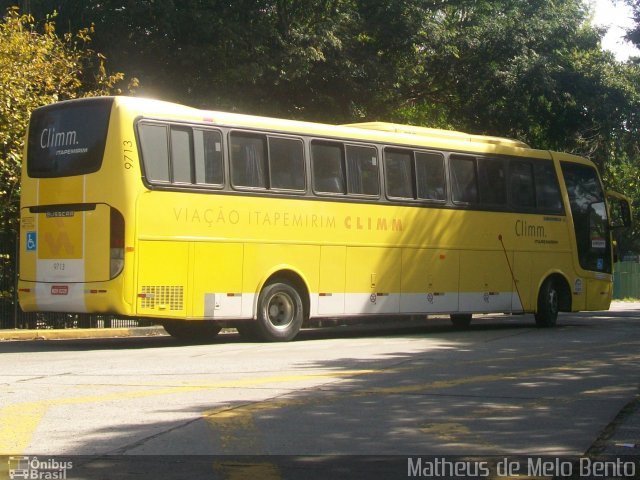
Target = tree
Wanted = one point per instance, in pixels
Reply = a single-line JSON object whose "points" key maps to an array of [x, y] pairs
{"points": [[633, 35], [254, 56], [38, 67]]}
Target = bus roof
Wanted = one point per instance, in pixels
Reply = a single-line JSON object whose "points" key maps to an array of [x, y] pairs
{"points": [[390, 133], [436, 133]]}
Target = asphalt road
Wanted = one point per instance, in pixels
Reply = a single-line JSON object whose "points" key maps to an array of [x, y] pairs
{"points": [[501, 388]]}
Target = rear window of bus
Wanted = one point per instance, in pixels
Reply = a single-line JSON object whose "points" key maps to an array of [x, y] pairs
{"points": [[67, 139]]}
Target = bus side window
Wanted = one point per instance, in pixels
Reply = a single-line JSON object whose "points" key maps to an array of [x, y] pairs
{"points": [[155, 151], [208, 157], [492, 181], [463, 179], [547, 190], [328, 167], [430, 176], [521, 184], [248, 160], [181, 155], [362, 170], [286, 163], [398, 173]]}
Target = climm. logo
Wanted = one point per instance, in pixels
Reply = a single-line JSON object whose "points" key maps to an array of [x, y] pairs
{"points": [[524, 229], [50, 138]]}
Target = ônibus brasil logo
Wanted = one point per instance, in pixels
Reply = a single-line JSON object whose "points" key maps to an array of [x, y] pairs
{"points": [[27, 468]]}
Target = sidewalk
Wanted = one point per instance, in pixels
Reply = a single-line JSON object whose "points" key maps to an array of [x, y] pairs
{"points": [[622, 435], [620, 306], [71, 333]]}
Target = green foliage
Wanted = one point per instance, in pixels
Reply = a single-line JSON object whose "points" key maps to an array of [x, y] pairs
{"points": [[38, 67], [624, 176], [633, 35]]}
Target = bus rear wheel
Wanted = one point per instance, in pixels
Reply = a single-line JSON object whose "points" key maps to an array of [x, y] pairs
{"points": [[461, 320], [548, 304], [280, 313], [192, 331]]}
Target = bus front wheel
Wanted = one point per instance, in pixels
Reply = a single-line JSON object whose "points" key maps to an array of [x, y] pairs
{"points": [[191, 331], [280, 313], [548, 304]]}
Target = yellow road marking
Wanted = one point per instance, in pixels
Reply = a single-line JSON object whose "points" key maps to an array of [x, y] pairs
{"points": [[448, 431], [247, 471], [19, 421]]}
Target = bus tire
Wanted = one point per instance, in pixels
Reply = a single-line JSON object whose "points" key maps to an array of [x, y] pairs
{"points": [[461, 320], [280, 313], [548, 304], [192, 331]]}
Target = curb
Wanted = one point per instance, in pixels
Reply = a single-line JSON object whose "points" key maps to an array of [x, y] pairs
{"points": [[71, 333]]}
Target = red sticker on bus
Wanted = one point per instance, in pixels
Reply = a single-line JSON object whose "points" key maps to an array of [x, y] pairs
{"points": [[59, 290]]}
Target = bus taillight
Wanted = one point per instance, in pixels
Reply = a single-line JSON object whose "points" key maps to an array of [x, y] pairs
{"points": [[116, 243]]}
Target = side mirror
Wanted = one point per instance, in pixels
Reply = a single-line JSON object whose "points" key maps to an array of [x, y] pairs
{"points": [[619, 211]]}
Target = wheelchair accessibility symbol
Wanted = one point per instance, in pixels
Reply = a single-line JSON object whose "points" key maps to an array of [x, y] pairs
{"points": [[32, 242]]}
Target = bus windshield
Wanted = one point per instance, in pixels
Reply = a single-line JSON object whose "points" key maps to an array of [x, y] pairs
{"points": [[68, 139], [589, 216]]}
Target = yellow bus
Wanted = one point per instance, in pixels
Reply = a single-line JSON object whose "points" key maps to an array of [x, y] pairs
{"points": [[202, 219]]}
